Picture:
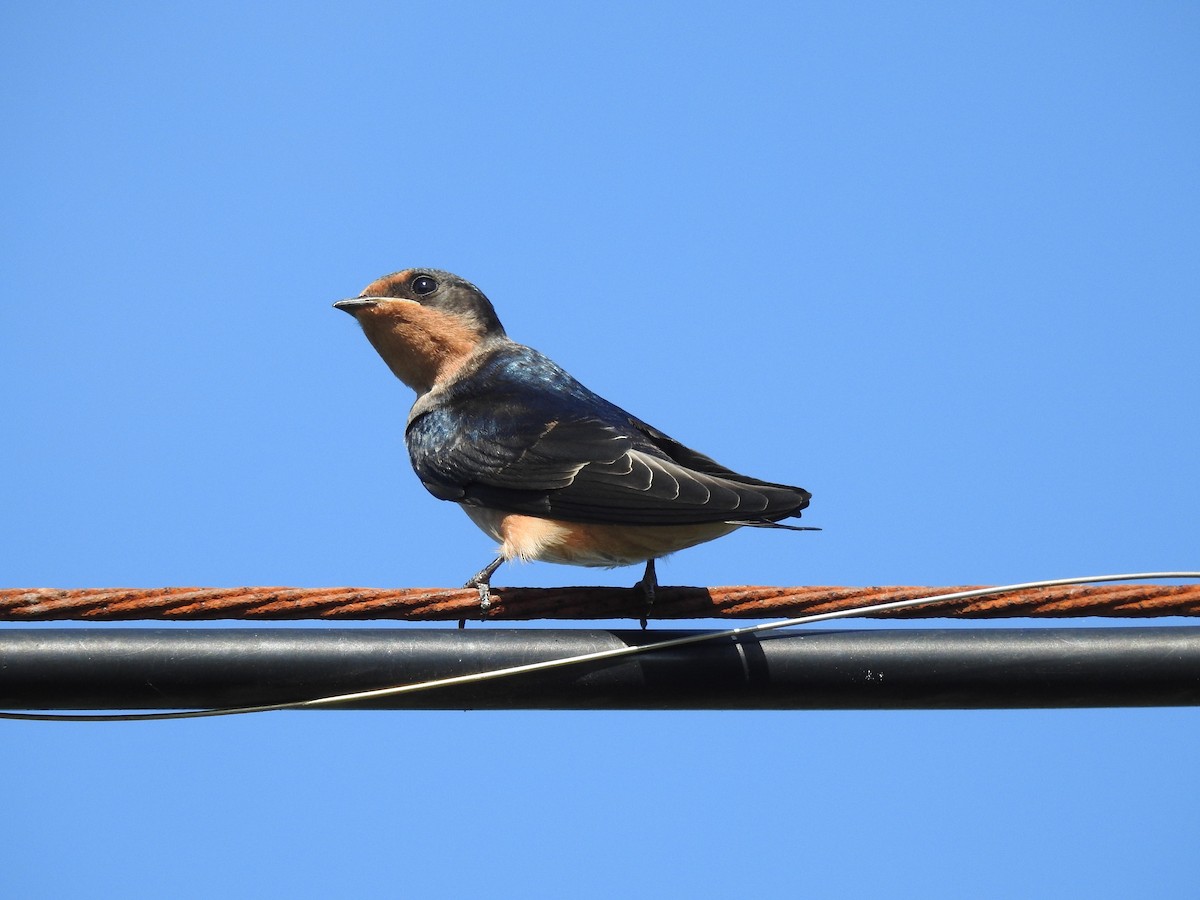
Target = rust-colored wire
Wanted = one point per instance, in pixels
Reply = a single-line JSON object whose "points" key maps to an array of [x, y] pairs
{"points": [[281, 603]]}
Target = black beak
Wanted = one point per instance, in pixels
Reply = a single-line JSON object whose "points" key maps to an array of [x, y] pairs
{"points": [[354, 304]]}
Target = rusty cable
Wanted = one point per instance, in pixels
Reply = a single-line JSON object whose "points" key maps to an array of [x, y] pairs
{"points": [[513, 604]]}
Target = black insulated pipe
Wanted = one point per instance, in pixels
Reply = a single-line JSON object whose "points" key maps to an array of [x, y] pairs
{"points": [[157, 668]]}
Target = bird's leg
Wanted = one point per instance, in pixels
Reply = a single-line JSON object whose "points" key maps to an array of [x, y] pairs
{"points": [[648, 585], [482, 580]]}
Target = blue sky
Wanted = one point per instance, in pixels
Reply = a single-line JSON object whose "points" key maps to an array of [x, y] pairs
{"points": [[936, 263]]}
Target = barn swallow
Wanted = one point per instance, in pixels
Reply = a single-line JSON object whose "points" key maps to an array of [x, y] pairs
{"points": [[546, 467]]}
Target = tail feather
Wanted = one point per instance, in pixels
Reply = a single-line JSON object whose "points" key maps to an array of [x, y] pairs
{"points": [[763, 523]]}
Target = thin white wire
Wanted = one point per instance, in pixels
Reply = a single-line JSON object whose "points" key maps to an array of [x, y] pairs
{"points": [[590, 657]]}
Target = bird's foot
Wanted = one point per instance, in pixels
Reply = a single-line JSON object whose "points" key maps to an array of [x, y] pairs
{"points": [[485, 595], [647, 588], [481, 581]]}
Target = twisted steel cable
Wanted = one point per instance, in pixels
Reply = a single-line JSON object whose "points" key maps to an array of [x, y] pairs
{"points": [[514, 604]]}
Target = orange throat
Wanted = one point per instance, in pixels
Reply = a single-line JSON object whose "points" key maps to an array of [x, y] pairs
{"points": [[421, 346]]}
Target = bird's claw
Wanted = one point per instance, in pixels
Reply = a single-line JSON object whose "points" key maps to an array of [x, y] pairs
{"points": [[647, 587], [485, 595], [481, 582], [485, 598]]}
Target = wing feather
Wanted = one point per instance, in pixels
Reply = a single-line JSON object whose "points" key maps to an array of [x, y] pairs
{"points": [[549, 447]]}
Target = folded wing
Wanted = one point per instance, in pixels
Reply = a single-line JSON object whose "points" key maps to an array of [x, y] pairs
{"points": [[598, 465]]}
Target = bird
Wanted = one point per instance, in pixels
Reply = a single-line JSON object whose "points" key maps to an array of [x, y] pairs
{"points": [[549, 469]]}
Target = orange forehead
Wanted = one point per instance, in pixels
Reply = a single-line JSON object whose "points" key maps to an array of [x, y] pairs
{"points": [[383, 287]]}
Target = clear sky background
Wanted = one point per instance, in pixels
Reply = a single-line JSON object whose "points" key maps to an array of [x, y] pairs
{"points": [[938, 263]]}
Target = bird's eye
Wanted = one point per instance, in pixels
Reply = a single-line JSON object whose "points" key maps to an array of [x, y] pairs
{"points": [[423, 284]]}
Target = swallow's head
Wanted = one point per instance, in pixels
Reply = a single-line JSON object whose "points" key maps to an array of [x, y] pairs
{"points": [[424, 323]]}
